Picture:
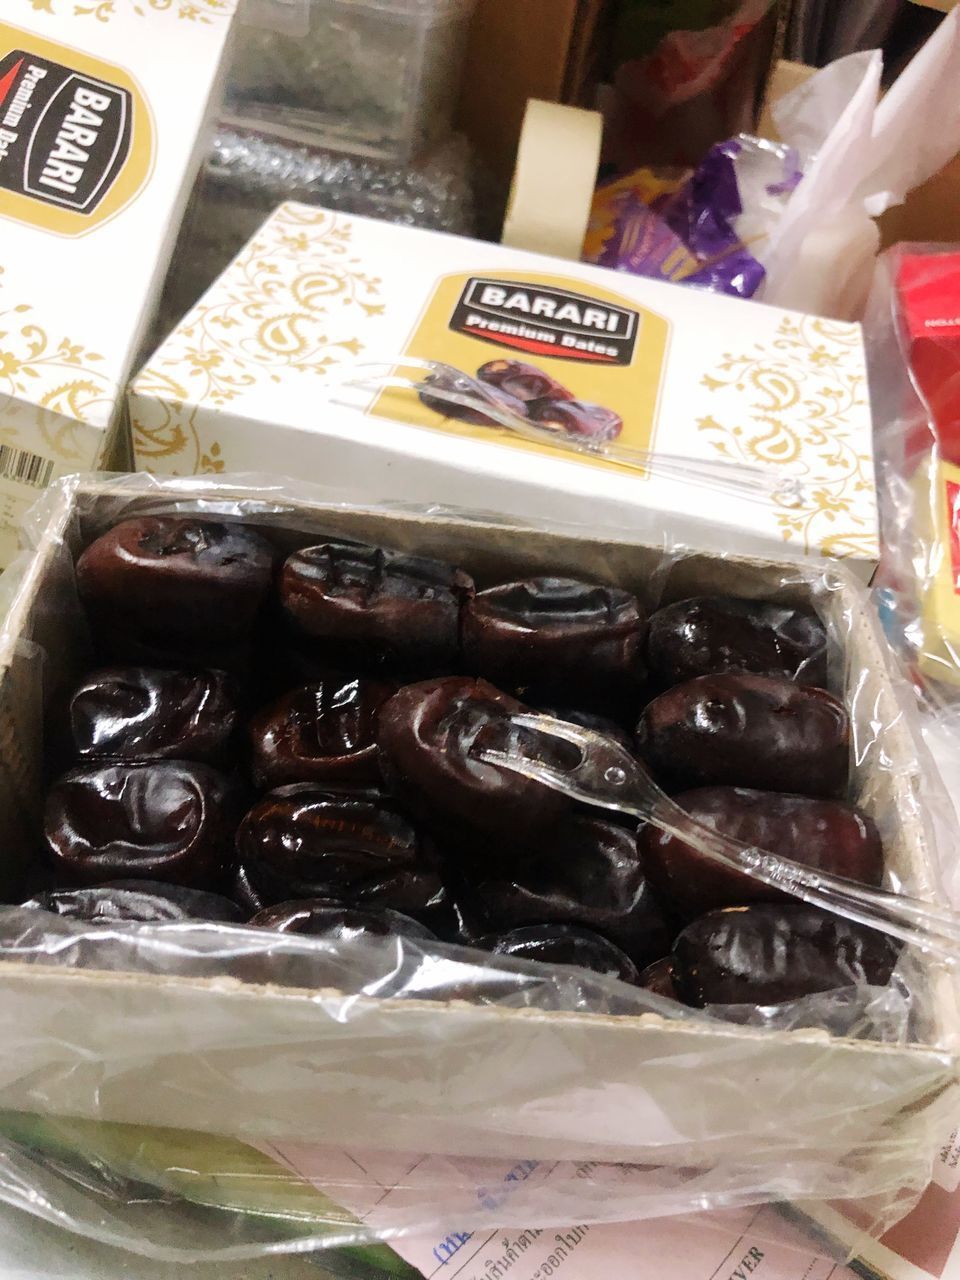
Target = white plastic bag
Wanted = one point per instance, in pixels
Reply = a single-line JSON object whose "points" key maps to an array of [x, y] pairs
{"points": [[867, 154]]}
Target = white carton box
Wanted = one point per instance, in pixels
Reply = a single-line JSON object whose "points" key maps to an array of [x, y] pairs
{"points": [[254, 379], [219, 1051], [103, 108]]}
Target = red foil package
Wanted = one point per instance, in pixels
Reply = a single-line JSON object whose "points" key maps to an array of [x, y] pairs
{"points": [[928, 301], [913, 329]]}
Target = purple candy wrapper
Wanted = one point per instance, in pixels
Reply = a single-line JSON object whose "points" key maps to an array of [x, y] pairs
{"points": [[644, 245], [692, 236]]}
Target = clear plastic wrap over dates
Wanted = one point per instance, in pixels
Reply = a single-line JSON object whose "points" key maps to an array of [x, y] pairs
{"points": [[409, 976]]}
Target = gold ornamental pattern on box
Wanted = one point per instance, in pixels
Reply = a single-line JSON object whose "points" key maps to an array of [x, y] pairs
{"points": [[794, 399], [50, 383], [305, 300], [270, 317], [203, 11]]}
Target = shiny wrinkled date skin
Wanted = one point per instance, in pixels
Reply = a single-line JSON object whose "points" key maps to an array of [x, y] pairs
{"points": [[336, 926], [826, 835], [658, 979], [747, 730], [707, 635], [146, 713], [302, 842], [323, 732], [555, 633], [554, 944], [769, 954], [380, 609], [156, 820], [589, 875], [177, 584], [428, 733], [318, 917], [311, 841]]}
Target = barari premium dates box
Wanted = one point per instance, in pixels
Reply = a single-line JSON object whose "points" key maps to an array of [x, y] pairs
{"points": [[259, 376], [213, 1051], [103, 117]]}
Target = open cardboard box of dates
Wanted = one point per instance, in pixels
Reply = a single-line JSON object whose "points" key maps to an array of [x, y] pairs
{"points": [[198, 1027]]}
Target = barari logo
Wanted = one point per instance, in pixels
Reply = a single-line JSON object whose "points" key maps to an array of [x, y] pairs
{"points": [[64, 136], [545, 321]]}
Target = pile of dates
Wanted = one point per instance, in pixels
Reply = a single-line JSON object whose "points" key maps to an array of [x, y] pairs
{"points": [[292, 743], [523, 391]]}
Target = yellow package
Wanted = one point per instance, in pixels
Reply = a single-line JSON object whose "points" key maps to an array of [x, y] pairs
{"points": [[607, 202], [937, 504]]}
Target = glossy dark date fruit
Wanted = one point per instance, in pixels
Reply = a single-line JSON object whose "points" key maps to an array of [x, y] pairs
{"points": [[564, 944], [577, 419], [766, 954], [658, 978], [163, 820], [303, 842], [369, 607], [432, 396], [147, 902], [145, 713], [428, 733], [554, 632], [421, 893], [824, 834], [319, 917], [709, 634], [746, 730], [522, 381], [174, 581], [589, 874], [323, 732]]}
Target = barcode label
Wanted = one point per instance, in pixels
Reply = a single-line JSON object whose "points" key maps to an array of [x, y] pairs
{"points": [[24, 467]]}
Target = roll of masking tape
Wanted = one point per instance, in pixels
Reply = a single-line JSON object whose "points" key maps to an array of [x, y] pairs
{"points": [[554, 180]]}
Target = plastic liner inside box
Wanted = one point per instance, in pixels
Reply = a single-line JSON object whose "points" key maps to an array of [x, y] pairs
{"points": [[250, 171], [441, 1049], [374, 76]]}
